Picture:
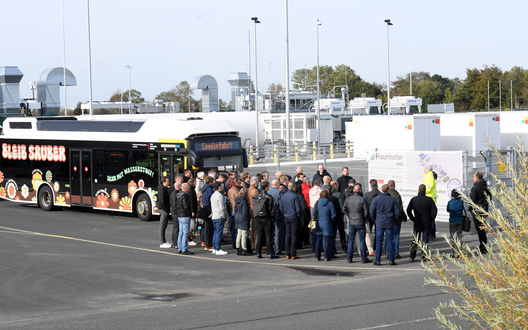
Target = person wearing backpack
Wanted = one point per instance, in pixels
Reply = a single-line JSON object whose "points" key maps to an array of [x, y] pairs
{"points": [[264, 212]]}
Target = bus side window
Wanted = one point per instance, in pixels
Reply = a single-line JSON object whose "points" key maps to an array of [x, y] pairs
{"points": [[98, 166], [148, 160]]}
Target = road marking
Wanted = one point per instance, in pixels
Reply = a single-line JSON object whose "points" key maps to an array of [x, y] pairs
{"points": [[326, 266], [401, 323]]}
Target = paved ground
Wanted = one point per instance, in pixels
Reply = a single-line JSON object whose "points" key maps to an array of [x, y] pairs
{"points": [[71, 269]]}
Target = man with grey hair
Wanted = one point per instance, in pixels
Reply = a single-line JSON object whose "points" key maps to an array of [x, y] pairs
{"points": [[253, 191], [280, 230], [371, 228], [182, 208], [290, 207], [212, 174], [200, 181], [278, 174], [326, 181]]}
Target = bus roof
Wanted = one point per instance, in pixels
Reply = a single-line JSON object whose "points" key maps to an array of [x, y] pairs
{"points": [[112, 129]]}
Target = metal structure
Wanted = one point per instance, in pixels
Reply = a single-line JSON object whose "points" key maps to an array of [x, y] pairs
{"points": [[10, 77], [388, 66], [255, 19], [240, 85], [365, 106], [318, 84], [209, 88], [48, 89]]}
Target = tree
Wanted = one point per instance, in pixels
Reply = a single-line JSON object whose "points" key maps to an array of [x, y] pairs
{"points": [[181, 93], [430, 91], [493, 287], [116, 96], [136, 96], [276, 89], [166, 96]]}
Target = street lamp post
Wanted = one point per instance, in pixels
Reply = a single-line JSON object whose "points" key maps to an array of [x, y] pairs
{"points": [[129, 89], [89, 58], [318, 89], [388, 68], [255, 19]]}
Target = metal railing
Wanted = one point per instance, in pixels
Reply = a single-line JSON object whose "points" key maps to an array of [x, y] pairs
{"points": [[295, 153]]}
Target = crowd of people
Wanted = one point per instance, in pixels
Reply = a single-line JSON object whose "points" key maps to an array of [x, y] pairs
{"points": [[280, 215]]}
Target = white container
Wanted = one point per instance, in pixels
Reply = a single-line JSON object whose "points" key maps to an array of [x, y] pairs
{"points": [[468, 131], [405, 133], [513, 125]]}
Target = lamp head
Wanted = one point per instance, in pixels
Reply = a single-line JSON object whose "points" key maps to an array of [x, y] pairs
{"points": [[388, 22], [255, 19], [318, 22]]}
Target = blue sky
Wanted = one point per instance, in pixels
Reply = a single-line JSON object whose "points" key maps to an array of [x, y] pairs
{"points": [[170, 41]]}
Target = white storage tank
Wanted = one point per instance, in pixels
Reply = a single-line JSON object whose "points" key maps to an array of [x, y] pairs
{"points": [[405, 133], [513, 125], [468, 131]]}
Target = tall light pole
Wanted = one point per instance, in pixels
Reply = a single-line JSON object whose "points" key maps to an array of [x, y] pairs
{"points": [[287, 87], [64, 60], [89, 58], [318, 89], [255, 19], [388, 67], [410, 49], [129, 89]]}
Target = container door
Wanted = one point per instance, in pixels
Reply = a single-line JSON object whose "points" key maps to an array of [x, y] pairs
{"points": [[81, 177]]}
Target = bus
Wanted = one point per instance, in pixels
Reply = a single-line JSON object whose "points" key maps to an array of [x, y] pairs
{"points": [[109, 164]]}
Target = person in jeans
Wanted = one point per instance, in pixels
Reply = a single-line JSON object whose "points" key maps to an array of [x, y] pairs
{"points": [[207, 191], [219, 213], [182, 208], [325, 213], [398, 223], [384, 210], [164, 209], [290, 207], [455, 207], [356, 208], [422, 211]]}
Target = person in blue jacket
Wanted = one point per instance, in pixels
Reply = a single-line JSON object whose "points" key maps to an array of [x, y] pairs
{"points": [[455, 207], [324, 213], [384, 210]]}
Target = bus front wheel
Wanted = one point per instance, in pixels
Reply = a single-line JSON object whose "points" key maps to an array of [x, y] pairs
{"points": [[143, 207], [46, 198]]}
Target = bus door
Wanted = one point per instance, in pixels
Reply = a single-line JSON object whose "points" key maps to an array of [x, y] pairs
{"points": [[81, 177], [171, 165]]}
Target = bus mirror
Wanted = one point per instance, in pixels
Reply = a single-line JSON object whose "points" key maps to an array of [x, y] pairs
{"points": [[244, 158]]}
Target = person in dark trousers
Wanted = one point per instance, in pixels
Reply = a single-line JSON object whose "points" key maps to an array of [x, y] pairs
{"points": [[303, 237], [384, 210], [290, 207], [320, 174], [402, 218], [325, 213], [264, 213], [207, 191], [371, 228], [194, 203], [232, 195], [164, 209], [480, 195], [422, 211], [455, 207], [338, 221], [342, 181], [356, 208]]}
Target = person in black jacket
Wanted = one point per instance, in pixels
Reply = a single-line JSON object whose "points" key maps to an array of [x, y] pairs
{"points": [[164, 209], [422, 211], [343, 181], [304, 231], [479, 195], [182, 208], [321, 173], [338, 220], [194, 206], [242, 220], [264, 212], [175, 221]]}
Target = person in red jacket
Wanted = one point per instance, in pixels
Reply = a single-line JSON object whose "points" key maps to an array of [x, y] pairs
{"points": [[306, 190]]}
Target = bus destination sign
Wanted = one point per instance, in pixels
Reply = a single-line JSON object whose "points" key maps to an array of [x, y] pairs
{"points": [[217, 146]]}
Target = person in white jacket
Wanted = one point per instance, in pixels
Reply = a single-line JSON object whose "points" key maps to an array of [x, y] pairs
{"points": [[314, 197], [219, 214]]}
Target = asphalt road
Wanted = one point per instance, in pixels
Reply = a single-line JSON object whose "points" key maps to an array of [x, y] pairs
{"points": [[74, 269]]}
